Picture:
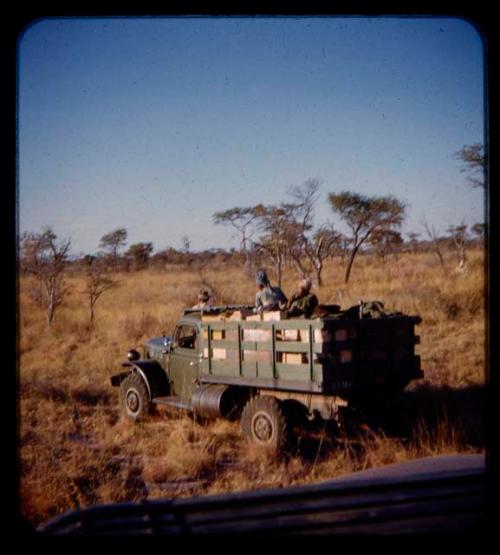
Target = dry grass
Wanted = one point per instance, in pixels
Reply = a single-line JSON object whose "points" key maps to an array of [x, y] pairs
{"points": [[76, 451]]}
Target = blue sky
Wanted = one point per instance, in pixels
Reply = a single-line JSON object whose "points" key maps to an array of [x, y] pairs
{"points": [[153, 124]]}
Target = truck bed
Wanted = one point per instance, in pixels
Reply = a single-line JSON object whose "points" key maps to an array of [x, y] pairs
{"points": [[325, 355]]}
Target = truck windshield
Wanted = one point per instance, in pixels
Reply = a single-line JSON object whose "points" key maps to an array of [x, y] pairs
{"points": [[185, 337]]}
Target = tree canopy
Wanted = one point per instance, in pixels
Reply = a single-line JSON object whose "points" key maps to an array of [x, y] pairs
{"points": [[113, 241], [366, 215], [474, 159]]}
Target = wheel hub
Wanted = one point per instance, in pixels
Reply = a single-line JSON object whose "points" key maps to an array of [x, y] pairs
{"points": [[262, 427], [132, 400]]}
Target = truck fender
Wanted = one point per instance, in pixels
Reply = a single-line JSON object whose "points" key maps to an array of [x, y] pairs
{"points": [[151, 372]]}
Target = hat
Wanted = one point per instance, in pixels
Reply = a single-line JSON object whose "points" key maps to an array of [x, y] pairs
{"points": [[203, 295], [261, 278]]}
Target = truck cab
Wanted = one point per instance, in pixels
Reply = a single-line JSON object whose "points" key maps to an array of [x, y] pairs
{"points": [[185, 357]]}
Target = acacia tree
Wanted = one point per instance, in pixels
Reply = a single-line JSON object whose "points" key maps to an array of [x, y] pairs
{"points": [[479, 230], [364, 215], [46, 259], [271, 221], [241, 219], [141, 253], [474, 159], [263, 232], [324, 244], [285, 232], [435, 241], [413, 241], [97, 282], [186, 257], [112, 242], [305, 243], [385, 242], [458, 234]]}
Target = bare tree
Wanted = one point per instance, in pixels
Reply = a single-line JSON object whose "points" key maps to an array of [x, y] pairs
{"points": [[97, 283], [271, 221], [458, 234], [186, 256], [364, 215], [308, 246], [284, 233], [185, 244], [479, 230], [413, 241], [312, 251], [241, 219], [435, 241], [294, 243], [46, 259]]}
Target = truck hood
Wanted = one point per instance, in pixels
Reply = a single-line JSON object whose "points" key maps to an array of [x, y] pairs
{"points": [[156, 345]]}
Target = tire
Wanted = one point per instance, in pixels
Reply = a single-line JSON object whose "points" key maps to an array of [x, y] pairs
{"points": [[265, 424], [134, 398]]}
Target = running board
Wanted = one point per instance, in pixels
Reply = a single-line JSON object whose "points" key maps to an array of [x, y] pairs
{"points": [[172, 401]]}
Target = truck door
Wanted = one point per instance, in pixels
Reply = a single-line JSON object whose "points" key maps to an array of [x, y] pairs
{"points": [[184, 360]]}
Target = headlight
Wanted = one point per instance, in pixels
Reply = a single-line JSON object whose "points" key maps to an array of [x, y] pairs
{"points": [[133, 355]]}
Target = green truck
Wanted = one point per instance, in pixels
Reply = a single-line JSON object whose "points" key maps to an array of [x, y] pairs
{"points": [[266, 368]]}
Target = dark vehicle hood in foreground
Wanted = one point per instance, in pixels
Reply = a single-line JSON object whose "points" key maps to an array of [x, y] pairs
{"points": [[444, 494]]}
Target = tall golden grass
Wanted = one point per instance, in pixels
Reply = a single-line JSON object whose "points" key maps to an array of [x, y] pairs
{"points": [[76, 451]]}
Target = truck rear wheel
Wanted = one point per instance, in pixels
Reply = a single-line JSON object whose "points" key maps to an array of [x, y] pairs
{"points": [[134, 397], [264, 423]]}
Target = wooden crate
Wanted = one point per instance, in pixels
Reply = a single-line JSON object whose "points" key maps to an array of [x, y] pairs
{"points": [[244, 314], [274, 315], [294, 358], [217, 354], [257, 335], [216, 334], [319, 336], [257, 356], [291, 335], [213, 317], [254, 318], [232, 354]]}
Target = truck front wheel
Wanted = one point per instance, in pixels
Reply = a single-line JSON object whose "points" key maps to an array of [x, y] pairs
{"points": [[134, 397], [264, 423]]}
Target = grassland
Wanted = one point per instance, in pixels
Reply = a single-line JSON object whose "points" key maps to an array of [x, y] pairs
{"points": [[75, 450]]}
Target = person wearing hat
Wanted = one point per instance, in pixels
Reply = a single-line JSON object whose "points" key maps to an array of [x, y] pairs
{"points": [[268, 297], [303, 301], [203, 300]]}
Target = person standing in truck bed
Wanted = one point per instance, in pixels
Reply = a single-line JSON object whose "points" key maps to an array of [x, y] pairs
{"points": [[203, 300], [303, 301], [268, 297]]}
